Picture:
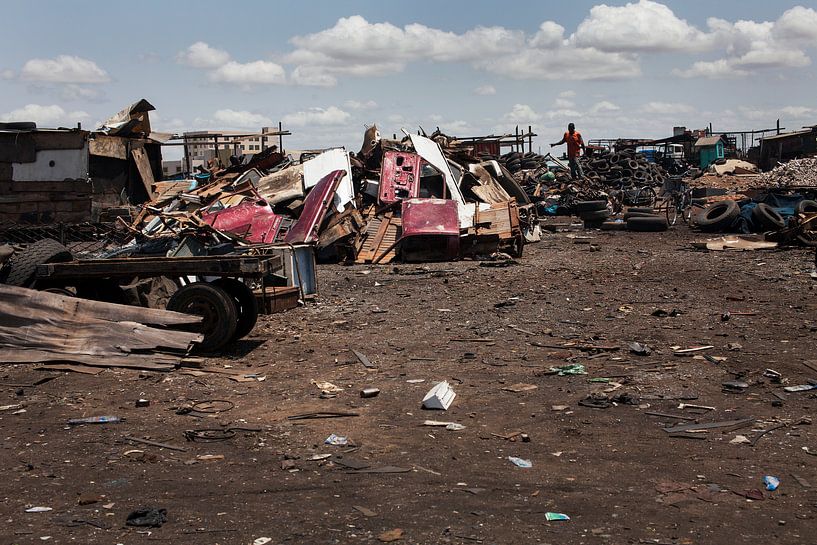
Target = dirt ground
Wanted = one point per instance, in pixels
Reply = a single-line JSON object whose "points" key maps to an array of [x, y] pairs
{"points": [[618, 475]]}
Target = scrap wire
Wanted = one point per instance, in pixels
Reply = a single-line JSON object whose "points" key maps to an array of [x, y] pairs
{"points": [[215, 435], [211, 406]]}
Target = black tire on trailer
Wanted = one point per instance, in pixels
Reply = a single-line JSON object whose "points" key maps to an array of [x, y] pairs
{"points": [[767, 216], [590, 206], [214, 305], [717, 216], [594, 215], [650, 224], [806, 206], [245, 302], [23, 265]]}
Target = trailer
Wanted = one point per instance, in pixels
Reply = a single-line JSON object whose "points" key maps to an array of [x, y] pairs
{"points": [[228, 291]]}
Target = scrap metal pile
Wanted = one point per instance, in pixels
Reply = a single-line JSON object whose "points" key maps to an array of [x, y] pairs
{"points": [[795, 173], [406, 199]]}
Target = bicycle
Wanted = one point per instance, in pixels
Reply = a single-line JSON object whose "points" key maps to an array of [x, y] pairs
{"points": [[630, 194]]}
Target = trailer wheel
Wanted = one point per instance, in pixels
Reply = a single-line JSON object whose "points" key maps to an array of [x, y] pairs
{"points": [[214, 305], [245, 303]]}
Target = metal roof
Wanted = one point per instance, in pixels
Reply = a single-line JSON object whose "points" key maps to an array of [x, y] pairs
{"points": [[787, 135], [707, 141]]}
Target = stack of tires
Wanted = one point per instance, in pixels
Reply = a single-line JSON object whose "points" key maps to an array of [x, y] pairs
{"points": [[516, 161], [611, 168], [645, 220], [592, 213]]}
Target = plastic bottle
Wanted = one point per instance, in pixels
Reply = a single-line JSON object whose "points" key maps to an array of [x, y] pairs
{"points": [[95, 420]]}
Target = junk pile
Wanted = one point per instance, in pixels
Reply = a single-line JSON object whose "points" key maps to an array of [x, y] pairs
{"points": [[796, 173], [406, 199], [784, 218]]}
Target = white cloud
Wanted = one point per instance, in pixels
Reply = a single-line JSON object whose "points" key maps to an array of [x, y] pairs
{"points": [[7, 74], [201, 55], [642, 26], [667, 108], [313, 76], [251, 73], [563, 103], [317, 116], [522, 113], [485, 90], [240, 118], [797, 24], [356, 47], [567, 94], [45, 116], [358, 105], [64, 69], [719, 69], [603, 107], [72, 91], [565, 63], [799, 111]]}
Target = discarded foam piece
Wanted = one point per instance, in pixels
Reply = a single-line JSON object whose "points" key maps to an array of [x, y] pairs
{"points": [[439, 397]]}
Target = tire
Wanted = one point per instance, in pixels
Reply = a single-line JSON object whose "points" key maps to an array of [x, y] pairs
{"points": [[806, 206], [595, 215], [767, 216], [672, 212], [651, 224], [245, 303], [590, 206], [613, 226], [718, 216], [629, 214], [212, 303], [641, 210], [23, 265]]}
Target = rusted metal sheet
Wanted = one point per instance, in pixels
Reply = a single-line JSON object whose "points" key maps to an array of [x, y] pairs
{"points": [[431, 152], [315, 207], [430, 217], [254, 221], [430, 229], [399, 176]]}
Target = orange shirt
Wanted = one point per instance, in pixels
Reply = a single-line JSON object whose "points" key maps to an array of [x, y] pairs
{"points": [[574, 143]]}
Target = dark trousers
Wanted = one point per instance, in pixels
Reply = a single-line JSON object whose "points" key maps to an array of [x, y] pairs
{"points": [[575, 168]]}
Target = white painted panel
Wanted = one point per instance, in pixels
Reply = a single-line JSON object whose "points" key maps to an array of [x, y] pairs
{"points": [[335, 159], [67, 164], [430, 151]]}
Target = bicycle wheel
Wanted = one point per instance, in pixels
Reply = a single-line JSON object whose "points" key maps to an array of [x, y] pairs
{"points": [[645, 196], [686, 208], [672, 210]]}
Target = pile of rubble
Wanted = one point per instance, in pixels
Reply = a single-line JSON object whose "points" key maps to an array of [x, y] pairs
{"points": [[795, 173], [408, 199]]}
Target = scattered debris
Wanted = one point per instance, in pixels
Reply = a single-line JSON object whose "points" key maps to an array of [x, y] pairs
{"points": [[520, 462], [439, 397]]}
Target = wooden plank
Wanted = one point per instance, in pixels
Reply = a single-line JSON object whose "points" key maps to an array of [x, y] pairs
{"points": [[140, 157], [109, 146], [34, 301], [149, 362], [732, 424]]}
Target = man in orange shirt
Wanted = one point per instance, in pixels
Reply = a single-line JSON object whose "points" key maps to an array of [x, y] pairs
{"points": [[574, 142]]}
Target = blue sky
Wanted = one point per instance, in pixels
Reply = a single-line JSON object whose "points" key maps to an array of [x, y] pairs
{"points": [[325, 69]]}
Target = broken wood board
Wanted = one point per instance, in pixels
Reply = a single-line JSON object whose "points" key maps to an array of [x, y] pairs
{"points": [[40, 327], [379, 240], [731, 424], [140, 157]]}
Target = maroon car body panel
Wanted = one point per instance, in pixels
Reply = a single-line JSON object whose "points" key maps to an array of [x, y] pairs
{"points": [[254, 221], [316, 204], [399, 176]]}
